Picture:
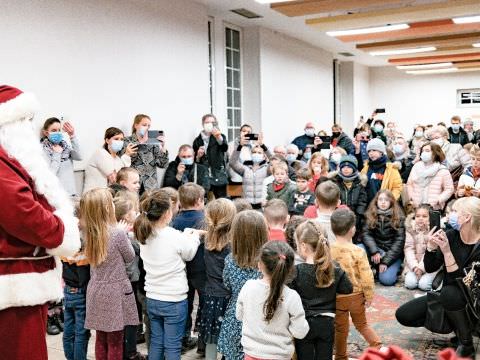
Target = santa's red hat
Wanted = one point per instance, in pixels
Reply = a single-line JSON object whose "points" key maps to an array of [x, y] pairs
{"points": [[16, 105]]}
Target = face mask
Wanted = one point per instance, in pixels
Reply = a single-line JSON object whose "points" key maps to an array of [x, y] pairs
{"points": [[116, 145], [310, 132], [257, 158], [208, 127], [418, 134], [317, 169], [426, 157], [455, 127], [438, 141], [453, 221], [291, 157], [335, 134], [398, 149], [378, 128], [336, 158], [187, 161], [307, 155], [55, 137], [141, 131]]}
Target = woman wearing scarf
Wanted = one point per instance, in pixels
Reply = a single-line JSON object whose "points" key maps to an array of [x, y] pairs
{"points": [[381, 175], [352, 188], [430, 181], [60, 153]]}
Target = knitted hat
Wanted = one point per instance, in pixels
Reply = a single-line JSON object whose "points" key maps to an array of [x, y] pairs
{"points": [[377, 144], [16, 105], [348, 160]]}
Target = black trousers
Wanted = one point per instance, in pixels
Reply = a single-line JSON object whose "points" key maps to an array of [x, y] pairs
{"points": [[219, 191], [318, 344], [130, 337], [413, 313]]}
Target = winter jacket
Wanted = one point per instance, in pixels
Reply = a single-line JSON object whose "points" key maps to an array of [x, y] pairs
{"points": [[459, 138], [391, 179], [252, 177], [383, 236], [405, 167], [285, 194], [302, 141], [467, 179], [214, 157], [435, 190], [346, 143], [415, 244], [201, 177], [455, 156]]}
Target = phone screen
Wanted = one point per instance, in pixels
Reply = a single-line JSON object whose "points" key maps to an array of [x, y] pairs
{"points": [[435, 219]]}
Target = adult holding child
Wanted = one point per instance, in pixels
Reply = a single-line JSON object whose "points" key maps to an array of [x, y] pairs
{"points": [[455, 250], [105, 163], [149, 155], [469, 182], [210, 147]]}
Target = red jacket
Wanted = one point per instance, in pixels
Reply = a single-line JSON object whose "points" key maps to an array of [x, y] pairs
{"points": [[27, 227]]}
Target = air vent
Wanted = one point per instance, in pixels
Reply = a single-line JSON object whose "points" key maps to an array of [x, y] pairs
{"points": [[246, 13], [347, 54]]}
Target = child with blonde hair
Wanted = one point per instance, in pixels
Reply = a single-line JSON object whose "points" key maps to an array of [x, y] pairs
{"points": [[219, 215], [110, 300]]}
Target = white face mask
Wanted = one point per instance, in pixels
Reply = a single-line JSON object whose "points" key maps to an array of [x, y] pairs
{"points": [[418, 134], [438, 141], [310, 132], [426, 157], [208, 127]]}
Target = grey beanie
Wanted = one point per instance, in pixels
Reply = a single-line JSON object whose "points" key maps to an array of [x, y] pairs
{"points": [[377, 144]]}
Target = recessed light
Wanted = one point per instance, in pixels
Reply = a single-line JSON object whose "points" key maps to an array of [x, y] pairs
{"points": [[370, 30], [271, 1], [431, 71], [466, 19], [403, 51], [476, 45], [424, 66]]}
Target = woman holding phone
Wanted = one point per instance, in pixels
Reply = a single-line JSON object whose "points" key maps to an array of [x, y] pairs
{"points": [[148, 156]]}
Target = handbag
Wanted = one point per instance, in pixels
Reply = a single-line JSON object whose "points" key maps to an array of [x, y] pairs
{"points": [[218, 177], [436, 319]]}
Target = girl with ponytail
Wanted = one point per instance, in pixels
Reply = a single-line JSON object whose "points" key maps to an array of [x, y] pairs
{"points": [[164, 252], [317, 281], [272, 314]]}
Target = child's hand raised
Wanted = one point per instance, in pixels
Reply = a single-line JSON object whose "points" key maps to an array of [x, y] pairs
{"points": [[122, 224]]}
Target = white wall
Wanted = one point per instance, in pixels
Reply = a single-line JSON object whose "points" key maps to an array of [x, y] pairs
{"points": [[361, 94], [99, 63], [425, 99], [296, 87]]}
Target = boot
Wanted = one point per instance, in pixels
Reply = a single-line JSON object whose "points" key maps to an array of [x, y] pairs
{"points": [[463, 330], [188, 343], [52, 328], [59, 320]]}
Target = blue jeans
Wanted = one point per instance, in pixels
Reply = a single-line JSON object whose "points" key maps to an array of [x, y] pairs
{"points": [[75, 336], [167, 322], [388, 277]]}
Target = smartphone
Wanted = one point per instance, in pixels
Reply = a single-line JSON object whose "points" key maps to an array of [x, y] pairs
{"points": [[153, 134], [326, 140], [142, 147], [380, 111], [251, 136], [434, 219]]}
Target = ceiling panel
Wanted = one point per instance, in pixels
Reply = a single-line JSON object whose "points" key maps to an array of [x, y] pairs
{"points": [[435, 59]]}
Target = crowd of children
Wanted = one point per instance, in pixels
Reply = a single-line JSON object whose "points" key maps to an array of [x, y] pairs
{"points": [[276, 272]]}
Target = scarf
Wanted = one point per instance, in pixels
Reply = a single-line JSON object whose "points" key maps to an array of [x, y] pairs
{"points": [[425, 176], [48, 148], [377, 164], [348, 178], [278, 187]]}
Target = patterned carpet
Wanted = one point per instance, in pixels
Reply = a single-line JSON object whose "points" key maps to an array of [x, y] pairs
{"points": [[418, 342]]}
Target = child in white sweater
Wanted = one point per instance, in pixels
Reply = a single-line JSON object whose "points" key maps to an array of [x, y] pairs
{"points": [[272, 314]]}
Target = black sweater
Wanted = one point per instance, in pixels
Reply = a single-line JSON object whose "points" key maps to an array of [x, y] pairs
{"points": [[319, 300]]}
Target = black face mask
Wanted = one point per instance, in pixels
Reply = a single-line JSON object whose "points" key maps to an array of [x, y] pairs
{"points": [[335, 134]]}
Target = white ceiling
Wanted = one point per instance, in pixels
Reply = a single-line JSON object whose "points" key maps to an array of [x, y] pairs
{"points": [[294, 27]]}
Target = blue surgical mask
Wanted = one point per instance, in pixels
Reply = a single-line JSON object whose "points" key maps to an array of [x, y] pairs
{"points": [[116, 145], [455, 127], [55, 137], [453, 221], [307, 155], [187, 161], [257, 158], [291, 158], [141, 131], [398, 149], [378, 128]]}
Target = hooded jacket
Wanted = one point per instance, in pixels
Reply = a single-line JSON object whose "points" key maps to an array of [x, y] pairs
{"points": [[391, 179], [458, 138], [415, 244], [201, 178]]}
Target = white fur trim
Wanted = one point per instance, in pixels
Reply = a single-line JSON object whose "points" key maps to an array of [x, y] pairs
{"points": [[71, 236], [31, 288], [22, 107]]}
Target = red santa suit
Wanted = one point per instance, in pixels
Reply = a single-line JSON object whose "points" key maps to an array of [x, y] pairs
{"points": [[36, 227]]}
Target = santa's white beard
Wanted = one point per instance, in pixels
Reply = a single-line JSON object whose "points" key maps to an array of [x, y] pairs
{"points": [[20, 142]]}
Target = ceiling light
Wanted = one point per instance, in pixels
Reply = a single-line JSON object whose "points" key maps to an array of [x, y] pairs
{"points": [[370, 30], [466, 19], [431, 71], [476, 45], [271, 1], [424, 66], [403, 51]]}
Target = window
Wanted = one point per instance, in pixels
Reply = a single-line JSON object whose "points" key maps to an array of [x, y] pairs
{"points": [[233, 75], [468, 98], [210, 63]]}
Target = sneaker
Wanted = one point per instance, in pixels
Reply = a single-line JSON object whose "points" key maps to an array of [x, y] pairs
{"points": [[137, 356], [52, 327], [140, 338], [189, 343]]}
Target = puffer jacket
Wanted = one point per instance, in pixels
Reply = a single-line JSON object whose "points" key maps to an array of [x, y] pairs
{"points": [[252, 178], [346, 143], [391, 179], [386, 238], [455, 156], [438, 189], [415, 244], [467, 179]]}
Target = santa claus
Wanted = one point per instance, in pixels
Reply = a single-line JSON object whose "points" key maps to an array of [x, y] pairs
{"points": [[36, 227]]}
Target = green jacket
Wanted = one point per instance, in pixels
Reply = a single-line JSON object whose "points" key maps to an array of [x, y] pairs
{"points": [[286, 194]]}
